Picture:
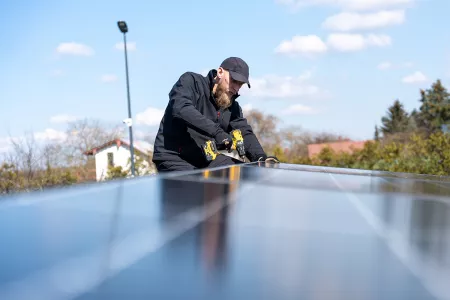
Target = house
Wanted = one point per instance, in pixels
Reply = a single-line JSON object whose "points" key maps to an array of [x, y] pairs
{"points": [[342, 146], [117, 153]]}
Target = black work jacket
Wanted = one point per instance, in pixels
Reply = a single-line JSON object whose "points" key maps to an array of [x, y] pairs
{"points": [[192, 117]]}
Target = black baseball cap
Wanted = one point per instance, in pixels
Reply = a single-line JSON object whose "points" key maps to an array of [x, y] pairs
{"points": [[238, 69]]}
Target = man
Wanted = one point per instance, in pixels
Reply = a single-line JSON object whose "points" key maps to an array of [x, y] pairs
{"points": [[203, 108]]}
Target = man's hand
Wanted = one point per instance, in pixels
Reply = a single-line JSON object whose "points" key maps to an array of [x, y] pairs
{"points": [[272, 159], [224, 141], [269, 159]]}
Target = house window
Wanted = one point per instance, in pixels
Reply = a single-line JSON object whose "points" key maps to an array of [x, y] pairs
{"points": [[110, 159]]}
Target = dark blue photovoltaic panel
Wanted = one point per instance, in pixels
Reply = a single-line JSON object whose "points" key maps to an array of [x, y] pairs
{"points": [[250, 232]]}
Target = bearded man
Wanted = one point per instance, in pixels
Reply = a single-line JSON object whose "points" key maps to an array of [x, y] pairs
{"points": [[203, 108]]}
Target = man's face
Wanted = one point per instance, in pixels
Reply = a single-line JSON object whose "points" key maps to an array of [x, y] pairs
{"points": [[226, 88]]}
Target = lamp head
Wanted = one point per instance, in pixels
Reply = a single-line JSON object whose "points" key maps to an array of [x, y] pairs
{"points": [[122, 26]]}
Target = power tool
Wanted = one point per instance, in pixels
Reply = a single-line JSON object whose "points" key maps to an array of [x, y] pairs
{"points": [[210, 149], [238, 142]]}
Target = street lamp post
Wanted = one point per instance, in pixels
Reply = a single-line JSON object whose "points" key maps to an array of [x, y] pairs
{"points": [[124, 29]]}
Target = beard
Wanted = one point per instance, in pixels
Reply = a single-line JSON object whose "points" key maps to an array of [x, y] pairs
{"points": [[223, 99]]}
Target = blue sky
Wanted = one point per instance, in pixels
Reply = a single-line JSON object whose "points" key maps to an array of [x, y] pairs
{"points": [[324, 65]]}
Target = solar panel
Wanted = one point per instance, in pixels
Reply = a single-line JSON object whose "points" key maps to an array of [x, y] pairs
{"points": [[254, 231]]}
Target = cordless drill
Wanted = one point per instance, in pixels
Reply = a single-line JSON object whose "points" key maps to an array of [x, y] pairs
{"points": [[238, 142], [210, 149]]}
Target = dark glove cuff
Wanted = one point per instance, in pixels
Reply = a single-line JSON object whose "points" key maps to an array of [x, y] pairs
{"points": [[221, 136], [221, 140]]}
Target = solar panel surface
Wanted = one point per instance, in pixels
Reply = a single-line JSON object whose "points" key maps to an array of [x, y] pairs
{"points": [[249, 232]]}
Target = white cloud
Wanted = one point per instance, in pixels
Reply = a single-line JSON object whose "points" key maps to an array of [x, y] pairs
{"points": [[151, 116], [50, 134], [389, 65], [305, 45], [298, 109], [416, 77], [73, 48], [355, 5], [370, 4], [346, 42], [63, 118], [275, 86], [350, 21], [131, 46], [343, 42], [109, 78]]}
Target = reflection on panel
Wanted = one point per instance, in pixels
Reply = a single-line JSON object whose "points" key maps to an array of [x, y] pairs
{"points": [[178, 196]]}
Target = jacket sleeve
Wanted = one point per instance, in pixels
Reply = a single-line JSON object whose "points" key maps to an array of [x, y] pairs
{"points": [[253, 147], [182, 97]]}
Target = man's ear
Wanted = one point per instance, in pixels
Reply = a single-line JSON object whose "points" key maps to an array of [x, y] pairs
{"points": [[220, 72]]}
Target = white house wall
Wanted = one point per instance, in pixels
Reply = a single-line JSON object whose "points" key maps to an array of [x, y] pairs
{"points": [[121, 156]]}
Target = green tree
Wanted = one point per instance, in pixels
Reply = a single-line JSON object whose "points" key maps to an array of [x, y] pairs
{"points": [[414, 120], [376, 134], [434, 109], [396, 121]]}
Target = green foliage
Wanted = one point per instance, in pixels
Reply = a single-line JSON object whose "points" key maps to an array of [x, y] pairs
{"points": [[57, 178], [326, 156], [116, 172], [15, 180], [10, 179], [434, 109], [376, 135], [417, 155], [279, 153], [396, 120]]}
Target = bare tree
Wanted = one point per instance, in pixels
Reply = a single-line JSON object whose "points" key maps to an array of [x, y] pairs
{"points": [[86, 134], [265, 128], [26, 155], [53, 155], [291, 140], [296, 140]]}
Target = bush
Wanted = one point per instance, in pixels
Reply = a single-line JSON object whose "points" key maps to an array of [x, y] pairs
{"points": [[416, 155], [15, 180]]}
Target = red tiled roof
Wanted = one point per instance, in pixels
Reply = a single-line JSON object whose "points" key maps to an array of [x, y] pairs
{"points": [[117, 142], [346, 146]]}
